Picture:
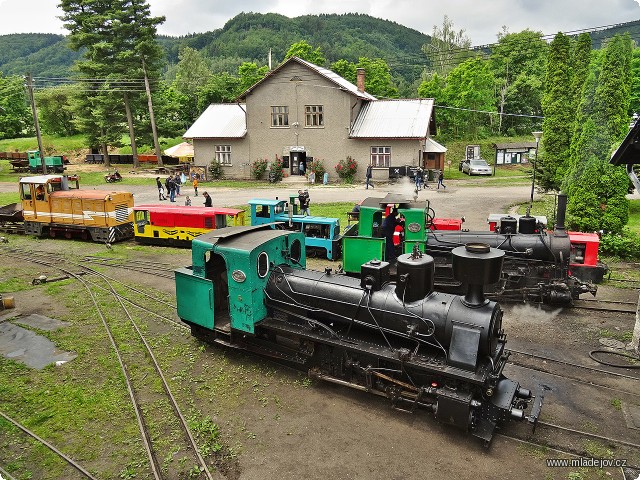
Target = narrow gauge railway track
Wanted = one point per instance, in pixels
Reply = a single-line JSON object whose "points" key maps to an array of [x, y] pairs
{"points": [[606, 306], [568, 441], [626, 283], [156, 269], [67, 459], [570, 437], [12, 228], [140, 379], [575, 372]]}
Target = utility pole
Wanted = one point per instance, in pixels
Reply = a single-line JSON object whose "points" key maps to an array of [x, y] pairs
{"points": [[156, 144], [35, 121]]}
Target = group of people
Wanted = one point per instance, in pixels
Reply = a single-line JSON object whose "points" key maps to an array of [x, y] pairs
{"points": [[420, 179], [172, 185]]}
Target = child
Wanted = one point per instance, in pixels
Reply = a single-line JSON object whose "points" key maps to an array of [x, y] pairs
{"points": [[195, 185], [187, 201]]}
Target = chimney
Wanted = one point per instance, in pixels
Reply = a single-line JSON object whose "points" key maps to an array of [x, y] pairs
{"points": [[360, 74]]}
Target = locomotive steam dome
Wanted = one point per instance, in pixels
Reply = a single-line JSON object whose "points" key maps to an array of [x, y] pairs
{"points": [[416, 273], [527, 224]]}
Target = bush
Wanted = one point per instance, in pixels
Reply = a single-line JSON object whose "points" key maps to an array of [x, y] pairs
{"points": [[625, 245], [276, 170], [347, 169], [216, 170], [317, 167], [258, 168]]}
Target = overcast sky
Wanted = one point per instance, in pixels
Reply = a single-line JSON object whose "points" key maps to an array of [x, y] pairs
{"points": [[481, 20]]}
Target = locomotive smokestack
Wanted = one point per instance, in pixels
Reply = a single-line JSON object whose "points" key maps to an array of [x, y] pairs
{"points": [[559, 230], [477, 265]]}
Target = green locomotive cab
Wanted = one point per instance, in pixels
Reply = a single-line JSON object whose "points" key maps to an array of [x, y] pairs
{"points": [[223, 290], [366, 241]]}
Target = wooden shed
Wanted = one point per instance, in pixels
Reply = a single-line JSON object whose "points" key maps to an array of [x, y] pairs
{"points": [[433, 155]]}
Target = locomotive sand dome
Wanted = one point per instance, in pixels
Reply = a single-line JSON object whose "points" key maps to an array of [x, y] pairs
{"points": [[248, 288]]}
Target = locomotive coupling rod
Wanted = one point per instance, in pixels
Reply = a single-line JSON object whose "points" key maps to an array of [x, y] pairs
{"points": [[313, 373], [393, 380]]}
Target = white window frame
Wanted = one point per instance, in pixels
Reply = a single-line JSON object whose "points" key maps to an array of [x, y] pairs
{"points": [[380, 156], [279, 116], [314, 116], [223, 154]]}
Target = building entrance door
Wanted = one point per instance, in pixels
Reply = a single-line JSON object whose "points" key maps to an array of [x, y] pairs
{"points": [[299, 163]]}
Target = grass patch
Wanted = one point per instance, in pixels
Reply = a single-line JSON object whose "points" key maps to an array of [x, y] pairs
{"points": [[616, 403], [634, 216]]}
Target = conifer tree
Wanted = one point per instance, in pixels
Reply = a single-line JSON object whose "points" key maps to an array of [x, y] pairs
{"points": [[558, 114], [597, 196], [120, 51]]}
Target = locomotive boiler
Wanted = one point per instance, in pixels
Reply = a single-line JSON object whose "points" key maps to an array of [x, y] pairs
{"points": [[248, 288]]}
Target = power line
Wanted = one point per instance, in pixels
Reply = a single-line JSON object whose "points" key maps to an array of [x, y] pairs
{"points": [[490, 112]]}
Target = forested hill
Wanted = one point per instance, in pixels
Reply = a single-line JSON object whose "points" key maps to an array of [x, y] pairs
{"points": [[249, 36], [246, 37]]}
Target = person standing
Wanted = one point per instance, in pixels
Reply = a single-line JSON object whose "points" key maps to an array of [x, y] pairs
{"points": [[307, 201], [440, 180], [419, 178], [388, 229], [368, 176], [195, 185], [207, 200], [160, 189], [171, 188], [176, 180]]}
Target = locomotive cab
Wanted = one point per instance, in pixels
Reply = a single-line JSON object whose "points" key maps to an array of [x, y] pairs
{"points": [[222, 290]]}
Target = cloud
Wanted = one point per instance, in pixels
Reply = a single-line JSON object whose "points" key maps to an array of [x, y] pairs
{"points": [[481, 20]]}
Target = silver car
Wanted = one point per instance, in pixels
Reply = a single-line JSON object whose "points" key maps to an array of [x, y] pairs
{"points": [[476, 166]]}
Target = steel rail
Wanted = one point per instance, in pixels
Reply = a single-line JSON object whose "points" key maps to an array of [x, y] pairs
{"points": [[144, 432], [571, 364], [71, 462]]}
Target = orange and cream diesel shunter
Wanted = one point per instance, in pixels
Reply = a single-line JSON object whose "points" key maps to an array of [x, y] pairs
{"points": [[54, 205], [176, 225]]}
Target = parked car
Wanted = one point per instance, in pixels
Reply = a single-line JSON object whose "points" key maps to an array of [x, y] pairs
{"points": [[476, 166]]}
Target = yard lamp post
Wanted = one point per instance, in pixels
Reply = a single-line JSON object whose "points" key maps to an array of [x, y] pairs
{"points": [[538, 136]]}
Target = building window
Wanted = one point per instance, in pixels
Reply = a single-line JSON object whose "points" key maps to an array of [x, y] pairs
{"points": [[279, 116], [314, 116], [223, 154], [381, 156]]}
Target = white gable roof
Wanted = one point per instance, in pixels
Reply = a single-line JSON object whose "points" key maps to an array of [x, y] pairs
{"points": [[394, 119], [431, 146], [221, 120]]}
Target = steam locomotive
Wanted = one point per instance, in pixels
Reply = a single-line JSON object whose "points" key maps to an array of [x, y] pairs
{"points": [[553, 267], [248, 288], [541, 266]]}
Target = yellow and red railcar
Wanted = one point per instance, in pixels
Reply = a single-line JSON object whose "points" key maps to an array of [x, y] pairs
{"points": [[54, 205], [175, 225]]}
